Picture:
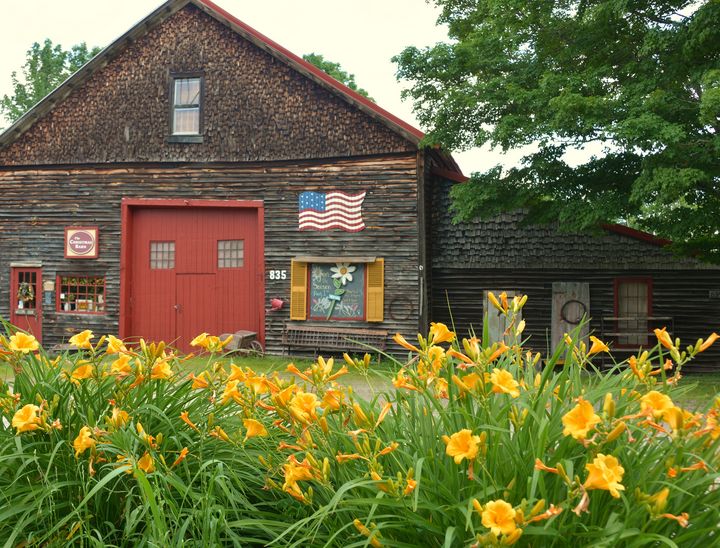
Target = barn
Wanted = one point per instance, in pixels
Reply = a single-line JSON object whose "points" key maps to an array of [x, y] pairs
{"points": [[625, 281], [197, 176]]}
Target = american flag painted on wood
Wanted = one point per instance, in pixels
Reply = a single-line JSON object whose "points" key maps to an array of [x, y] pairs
{"points": [[326, 210]]}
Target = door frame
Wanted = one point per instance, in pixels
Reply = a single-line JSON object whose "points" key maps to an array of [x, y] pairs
{"points": [[14, 269], [129, 205]]}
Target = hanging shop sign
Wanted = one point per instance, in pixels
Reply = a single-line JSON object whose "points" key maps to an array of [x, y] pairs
{"points": [[81, 242]]}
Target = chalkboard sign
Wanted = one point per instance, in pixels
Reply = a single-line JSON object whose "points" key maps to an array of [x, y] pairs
{"points": [[330, 300]]}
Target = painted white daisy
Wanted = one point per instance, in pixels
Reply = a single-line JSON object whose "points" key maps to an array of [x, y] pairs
{"points": [[343, 272]]}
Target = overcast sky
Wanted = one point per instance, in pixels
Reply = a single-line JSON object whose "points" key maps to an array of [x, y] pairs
{"points": [[361, 35]]}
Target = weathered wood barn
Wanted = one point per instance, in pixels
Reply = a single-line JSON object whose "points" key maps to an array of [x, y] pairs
{"points": [[197, 176], [623, 280]]}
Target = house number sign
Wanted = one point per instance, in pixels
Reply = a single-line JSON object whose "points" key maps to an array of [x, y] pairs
{"points": [[278, 274], [81, 242]]}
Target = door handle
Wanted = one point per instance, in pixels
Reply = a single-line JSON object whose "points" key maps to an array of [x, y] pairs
{"points": [[178, 308]]}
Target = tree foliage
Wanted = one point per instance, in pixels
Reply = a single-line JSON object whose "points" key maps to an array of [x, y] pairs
{"points": [[336, 71], [637, 79], [46, 67]]}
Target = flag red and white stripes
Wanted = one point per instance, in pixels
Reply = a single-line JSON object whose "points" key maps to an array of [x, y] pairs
{"points": [[323, 211]]}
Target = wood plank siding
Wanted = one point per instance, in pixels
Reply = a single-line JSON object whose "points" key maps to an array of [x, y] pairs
{"points": [[502, 253], [39, 203]]}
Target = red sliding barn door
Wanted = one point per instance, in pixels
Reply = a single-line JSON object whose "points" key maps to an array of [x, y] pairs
{"points": [[194, 270], [26, 300]]}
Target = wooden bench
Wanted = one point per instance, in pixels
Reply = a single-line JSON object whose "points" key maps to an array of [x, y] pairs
{"points": [[337, 339]]}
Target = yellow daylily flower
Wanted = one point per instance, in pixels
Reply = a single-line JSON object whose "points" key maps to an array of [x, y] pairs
{"points": [[85, 371], [82, 339], [606, 473], [655, 403], [23, 343], [119, 417], [499, 517], [302, 407], [146, 463], [121, 367], [115, 345], [161, 370], [462, 445], [504, 383], [84, 441], [580, 420], [26, 418]]}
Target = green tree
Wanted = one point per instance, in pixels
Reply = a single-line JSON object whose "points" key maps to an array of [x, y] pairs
{"points": [[46, 67], [639, 78], [336, 71]]}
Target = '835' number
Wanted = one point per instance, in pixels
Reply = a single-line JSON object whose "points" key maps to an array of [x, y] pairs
{"points": [[278, 274]]}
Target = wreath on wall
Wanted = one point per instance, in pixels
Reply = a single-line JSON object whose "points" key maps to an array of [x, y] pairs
{"points": [[25, 292]]}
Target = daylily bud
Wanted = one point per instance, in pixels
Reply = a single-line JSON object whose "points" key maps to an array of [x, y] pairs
{"points": [[609, 406], [615, 433], [539, 507]]}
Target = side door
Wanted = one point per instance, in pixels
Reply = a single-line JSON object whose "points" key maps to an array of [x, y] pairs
{"points": [[26, 300]]}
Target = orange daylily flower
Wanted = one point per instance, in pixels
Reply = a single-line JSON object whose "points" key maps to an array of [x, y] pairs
{"points": [[439, 333], [220, 434], [683, 519], [23, 343], [547, 514], [186, 419], [462, 445], [181, 457], [543, 468], [401, 381], [231, 392], [606, 473], [333, 399], [597, 346], [199, 382], [399, 339], [499, 351], [294, 472], [664, 338], [254, 428], [383, 413], [292, 368], [709, 342]]}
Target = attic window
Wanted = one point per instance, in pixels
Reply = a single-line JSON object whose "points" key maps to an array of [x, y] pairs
{"points": [[187, 92]]}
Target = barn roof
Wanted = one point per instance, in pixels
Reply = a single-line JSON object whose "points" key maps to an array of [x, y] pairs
{"points": [[394, 123]]}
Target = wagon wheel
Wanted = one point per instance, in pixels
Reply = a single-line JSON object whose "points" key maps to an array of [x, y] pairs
{"points": [[256, 349]]}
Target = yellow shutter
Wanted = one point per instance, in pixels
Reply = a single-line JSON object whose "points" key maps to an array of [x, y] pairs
{"points": [[298, 290], [375, 290]]}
